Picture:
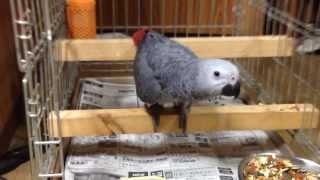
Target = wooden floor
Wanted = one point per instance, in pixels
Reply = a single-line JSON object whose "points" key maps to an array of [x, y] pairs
{"points": [[21, 173]]}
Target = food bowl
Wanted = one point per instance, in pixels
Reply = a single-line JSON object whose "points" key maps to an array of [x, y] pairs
{"points": [[276, 164]]}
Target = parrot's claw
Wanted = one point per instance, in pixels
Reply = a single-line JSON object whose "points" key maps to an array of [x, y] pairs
{"points": [[183, 110], [154, 110], [183, 122]]}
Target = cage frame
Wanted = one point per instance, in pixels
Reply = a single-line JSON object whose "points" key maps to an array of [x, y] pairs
{"points": [[45, 46]]}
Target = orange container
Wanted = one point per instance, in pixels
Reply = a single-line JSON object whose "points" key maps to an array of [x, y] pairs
{"points": [[81, 16]]}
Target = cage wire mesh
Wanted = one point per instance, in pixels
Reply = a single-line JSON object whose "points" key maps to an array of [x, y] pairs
{"points": [[49, 84]]}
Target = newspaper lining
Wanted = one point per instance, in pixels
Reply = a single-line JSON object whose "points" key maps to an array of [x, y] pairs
{"points": [[173, 156], [200, 156]]}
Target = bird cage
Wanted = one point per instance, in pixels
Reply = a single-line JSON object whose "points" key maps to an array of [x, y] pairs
{"points": [[275, 44]]}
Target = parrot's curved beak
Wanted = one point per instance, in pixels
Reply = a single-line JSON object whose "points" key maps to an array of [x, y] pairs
{"points": [[231, 90]]}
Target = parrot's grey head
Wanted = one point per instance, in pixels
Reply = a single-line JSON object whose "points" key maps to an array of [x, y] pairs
{"points": [[218, 77]]}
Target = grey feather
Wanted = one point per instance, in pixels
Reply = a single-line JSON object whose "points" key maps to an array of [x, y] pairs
{"points": [[167, 67], [167, 72]]}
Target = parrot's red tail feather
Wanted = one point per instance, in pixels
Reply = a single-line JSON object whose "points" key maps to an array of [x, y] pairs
{"points": [[138, 36]]}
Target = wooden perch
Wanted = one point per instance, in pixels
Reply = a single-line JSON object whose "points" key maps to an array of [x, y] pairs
{"points": [[204, 47], [136, 120]]}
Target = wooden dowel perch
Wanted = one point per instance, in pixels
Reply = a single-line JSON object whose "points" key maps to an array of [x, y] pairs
{"points": [[204, 47], [201, 119]]}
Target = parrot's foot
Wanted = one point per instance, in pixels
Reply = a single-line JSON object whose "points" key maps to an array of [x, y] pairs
{"points": [[154, 110], [183, 110]]}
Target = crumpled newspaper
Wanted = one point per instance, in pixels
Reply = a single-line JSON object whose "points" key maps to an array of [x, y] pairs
{"points": [[199, 156]]}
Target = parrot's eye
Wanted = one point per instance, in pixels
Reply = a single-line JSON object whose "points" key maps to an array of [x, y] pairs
{"points": [[217, 73]]}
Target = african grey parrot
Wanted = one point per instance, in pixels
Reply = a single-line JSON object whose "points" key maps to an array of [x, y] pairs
{"points": [[168, 72]]}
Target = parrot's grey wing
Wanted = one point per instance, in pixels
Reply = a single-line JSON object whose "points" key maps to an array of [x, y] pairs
{"points": [[147, 86], [165, 51], [155, 85], [179, 80], [158, 60]]}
